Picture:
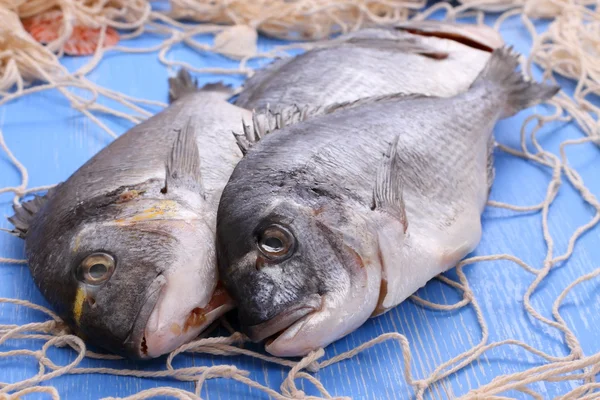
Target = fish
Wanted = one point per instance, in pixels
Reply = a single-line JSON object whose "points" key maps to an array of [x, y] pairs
{"points": [[156, 254], [428, 57], [340, 217], [124, 249]]}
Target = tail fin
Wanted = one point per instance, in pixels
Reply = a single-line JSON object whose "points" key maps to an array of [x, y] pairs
{"points": [[520, 93], [183, 84]]}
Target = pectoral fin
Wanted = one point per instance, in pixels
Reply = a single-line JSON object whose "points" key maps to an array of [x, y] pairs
{"points": [[390, 222], [183, 164], [387, 194]]}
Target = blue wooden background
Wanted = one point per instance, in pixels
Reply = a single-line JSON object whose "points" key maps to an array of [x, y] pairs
{"points": [[52, 141]]}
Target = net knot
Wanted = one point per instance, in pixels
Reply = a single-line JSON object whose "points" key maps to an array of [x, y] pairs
{"points": [[298, 394], [468, 295], [577, 353], [232, 371], [59, 328], [310, 362], [313, 367], [19, 192], [421, 385], [238, 337]]}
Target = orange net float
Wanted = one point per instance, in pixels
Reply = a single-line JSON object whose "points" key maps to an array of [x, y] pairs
{"points": [[46, 27]]}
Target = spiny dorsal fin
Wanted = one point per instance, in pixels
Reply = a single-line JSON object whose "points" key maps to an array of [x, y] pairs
{"points": [[387, 194], [183, 164], [26, 211], [266, 121]]}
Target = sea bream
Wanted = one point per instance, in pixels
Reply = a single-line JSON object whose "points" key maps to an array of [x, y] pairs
{"points": [[332, 220], [124, 249], [427, 57]]}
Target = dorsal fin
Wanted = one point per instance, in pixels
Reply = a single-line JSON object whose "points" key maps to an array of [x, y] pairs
{"points": [[266, 121], [26, 211]]}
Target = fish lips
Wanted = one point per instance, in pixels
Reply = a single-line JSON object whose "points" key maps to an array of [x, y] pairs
{"points": [[165, 340], [135, 344], [284, 319]]}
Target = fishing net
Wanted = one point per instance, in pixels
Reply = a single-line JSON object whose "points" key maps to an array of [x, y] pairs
{"points": [[569, 47]]}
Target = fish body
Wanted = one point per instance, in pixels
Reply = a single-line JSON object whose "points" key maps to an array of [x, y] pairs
{"points": [[124, 249], [331, 220], [426, 57]]}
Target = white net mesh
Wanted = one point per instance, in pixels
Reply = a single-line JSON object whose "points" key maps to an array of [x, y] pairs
{"points": [[570, 46]]}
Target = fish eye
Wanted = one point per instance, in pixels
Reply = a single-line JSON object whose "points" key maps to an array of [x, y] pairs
{"points": [[276, 242], [96, 268]]}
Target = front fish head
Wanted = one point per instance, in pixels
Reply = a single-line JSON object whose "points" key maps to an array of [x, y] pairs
{"points": [[133, 272], [299, 272]]}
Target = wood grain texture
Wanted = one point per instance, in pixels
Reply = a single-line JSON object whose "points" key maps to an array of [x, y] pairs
{"points": [[52, 140]]}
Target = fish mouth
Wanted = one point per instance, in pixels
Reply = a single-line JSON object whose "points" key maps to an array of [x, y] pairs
{"points": [[277, 325], [135, 344], [178, 331]]}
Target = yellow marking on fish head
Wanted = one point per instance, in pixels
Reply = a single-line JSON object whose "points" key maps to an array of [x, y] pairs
{"points": [[78, 304], [164, 208]]}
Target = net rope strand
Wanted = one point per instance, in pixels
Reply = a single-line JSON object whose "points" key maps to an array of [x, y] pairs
{"points": [[569, 47]]}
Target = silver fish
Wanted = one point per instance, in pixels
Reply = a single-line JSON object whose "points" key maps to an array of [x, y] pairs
{"points": [[341, 217], [153, 254], [426, 57], [124, 249]]}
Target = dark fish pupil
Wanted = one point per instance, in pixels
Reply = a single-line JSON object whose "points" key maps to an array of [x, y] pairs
{"points": [[98, 271], [273, 244]]}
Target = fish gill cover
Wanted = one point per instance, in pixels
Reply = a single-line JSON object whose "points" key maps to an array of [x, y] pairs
{"points": [[35, 35]]}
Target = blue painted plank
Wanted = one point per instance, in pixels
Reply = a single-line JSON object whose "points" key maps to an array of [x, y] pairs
{"points": [[52, 141]]}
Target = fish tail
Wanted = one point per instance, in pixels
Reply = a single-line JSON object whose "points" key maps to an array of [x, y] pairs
{"points": [[500, 72], [183, 84]]}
